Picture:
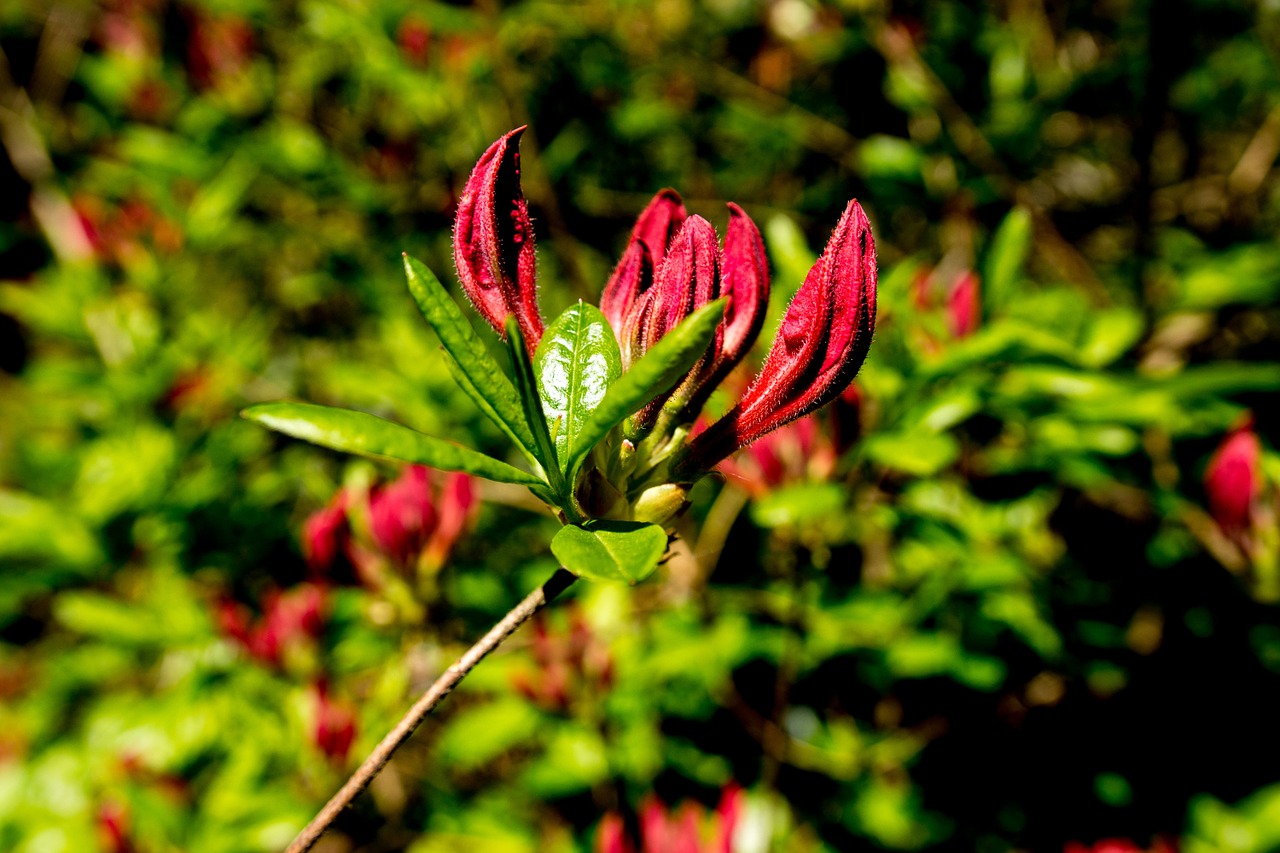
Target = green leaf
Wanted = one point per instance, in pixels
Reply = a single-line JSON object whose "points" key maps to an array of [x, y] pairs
{"points": [[576, 362], [610, 550], [1109, 335], [367, 435], [1009, 249], [527, 387], [476, 371], [657, 372]]}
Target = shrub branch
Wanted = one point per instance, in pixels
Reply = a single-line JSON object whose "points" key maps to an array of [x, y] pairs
{"points": [[381, 754]]}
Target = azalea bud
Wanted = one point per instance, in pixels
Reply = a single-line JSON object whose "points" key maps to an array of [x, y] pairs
{"points": [[963, 307], [334, 727], [493, 244], [660, 504], [402, 515], [325, 532], [744, 279], [457, 499], [1233, 480], [634, 274], [611, 837], [688, 279], [822, 342]]}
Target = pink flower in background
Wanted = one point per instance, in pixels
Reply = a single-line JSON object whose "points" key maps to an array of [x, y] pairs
{"points": [[414, 38], [1119, 845], [964, 308], [687, 829], [414, 520], [1233, 480], [325, 531], [113, 828], [334, 726], [288, 620]]}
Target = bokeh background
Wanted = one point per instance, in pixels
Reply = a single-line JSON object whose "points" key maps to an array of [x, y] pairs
{"points": [[994, 600]]}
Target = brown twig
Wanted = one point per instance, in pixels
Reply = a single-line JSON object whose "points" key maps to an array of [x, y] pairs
{"points": [[381, 754]]}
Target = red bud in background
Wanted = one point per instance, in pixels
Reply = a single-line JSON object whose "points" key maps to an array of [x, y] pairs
{"points": [[1233, 480], [334, 728], [325, 532], [493, 245], [964, 308]]}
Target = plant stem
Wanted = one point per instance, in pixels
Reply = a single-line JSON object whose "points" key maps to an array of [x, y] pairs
{"points": [[381, 754]]}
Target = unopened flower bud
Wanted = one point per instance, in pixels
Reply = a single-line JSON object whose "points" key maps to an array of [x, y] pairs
{"points": [[661, 504], [493, 244], [822, 342]]}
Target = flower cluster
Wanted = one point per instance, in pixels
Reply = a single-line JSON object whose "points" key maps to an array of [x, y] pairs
{"points": [[684, 830], [410, 524], [673, 266]]}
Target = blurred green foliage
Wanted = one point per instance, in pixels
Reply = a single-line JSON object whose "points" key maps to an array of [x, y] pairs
{"points": [[1002, 619]]}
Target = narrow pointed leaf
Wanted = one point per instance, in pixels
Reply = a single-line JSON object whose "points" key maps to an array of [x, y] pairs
{"points": [[531, 402], [368, 435], [661, 369], [575, 364], [476, 371], [626, 551]]}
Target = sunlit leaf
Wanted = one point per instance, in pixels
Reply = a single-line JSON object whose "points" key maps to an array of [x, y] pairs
{"points": [[367, 435], [476, 371], [625, 551], [576, 362]]}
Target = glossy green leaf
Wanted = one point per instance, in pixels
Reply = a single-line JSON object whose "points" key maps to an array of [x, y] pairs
{"points": [[531, 402], [367, 435], [476, 371], [661, 368], [576, 362], [1008, 252], [626, 551]]}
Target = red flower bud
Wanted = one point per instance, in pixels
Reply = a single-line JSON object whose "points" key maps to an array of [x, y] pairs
{"points": [[402, 515], [334, 727], [688, 279], [964, 309], [634, 274], [611, 837], [493, 242], [325, 531], [822, 342], [1233, 480]]}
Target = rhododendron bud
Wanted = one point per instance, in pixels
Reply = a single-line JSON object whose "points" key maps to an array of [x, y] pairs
{"points": [[634, 274], [611, 837], [325, 532], [334, 727], [822, 342], [457, 499], [493, 242], [113, 828], [688, 279], [1233, 480], [402, 515], [964, 309], [728, 812]]}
